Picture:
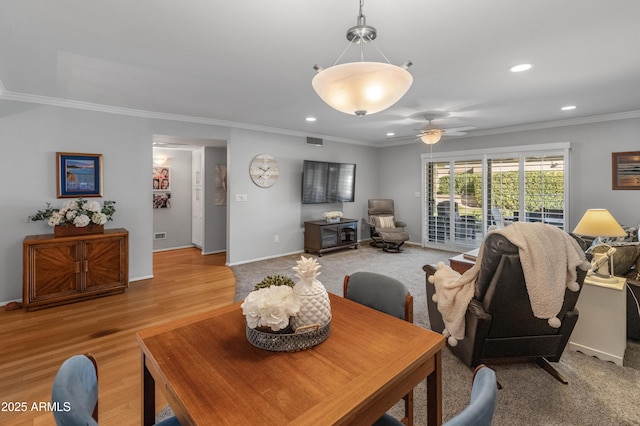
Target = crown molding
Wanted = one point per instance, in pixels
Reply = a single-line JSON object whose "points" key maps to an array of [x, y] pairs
{"points": [[88, 106], [556, 123], [526, 127]]}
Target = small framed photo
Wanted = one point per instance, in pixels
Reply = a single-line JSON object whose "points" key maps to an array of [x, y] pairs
{"points": [[625, 167], [78, 175], [161, 200], [161, 178]]}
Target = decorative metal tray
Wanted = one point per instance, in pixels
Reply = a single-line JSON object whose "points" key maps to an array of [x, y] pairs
{"points": [[303, 338]]}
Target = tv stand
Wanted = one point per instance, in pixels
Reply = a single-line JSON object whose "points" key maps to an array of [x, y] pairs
{"points": [[321, 236]]}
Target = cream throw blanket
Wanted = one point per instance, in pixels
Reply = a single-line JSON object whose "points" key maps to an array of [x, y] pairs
{"points": [[549, 258]]}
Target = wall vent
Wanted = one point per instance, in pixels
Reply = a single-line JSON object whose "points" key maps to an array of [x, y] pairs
{"points": [[315, 141], [160, 236]]}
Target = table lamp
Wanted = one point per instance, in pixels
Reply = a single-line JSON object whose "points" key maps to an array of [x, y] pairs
{"points": [[600, 223]]}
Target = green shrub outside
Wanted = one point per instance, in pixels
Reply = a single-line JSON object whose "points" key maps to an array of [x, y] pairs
{"points": [[505, 190]]}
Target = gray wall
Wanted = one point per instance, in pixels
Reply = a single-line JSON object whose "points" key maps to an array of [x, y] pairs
{"points": [[31, 134], [278, 210], [590, 164], [215, 217], [175, 221]]}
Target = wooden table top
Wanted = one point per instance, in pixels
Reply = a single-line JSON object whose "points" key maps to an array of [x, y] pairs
{"points": [[211, 371]]}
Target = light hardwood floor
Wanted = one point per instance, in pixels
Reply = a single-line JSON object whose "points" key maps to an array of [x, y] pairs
{"points": [[34, 344]]}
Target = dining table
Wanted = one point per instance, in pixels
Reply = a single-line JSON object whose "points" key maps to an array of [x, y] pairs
{"points": [[210, 373]]}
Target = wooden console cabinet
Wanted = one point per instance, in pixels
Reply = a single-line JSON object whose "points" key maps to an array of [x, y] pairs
{"points": [[320, 236], [68, 269]]}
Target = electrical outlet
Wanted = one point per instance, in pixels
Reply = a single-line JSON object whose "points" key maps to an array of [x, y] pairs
{"points": [[276, 239], [240, 197]]}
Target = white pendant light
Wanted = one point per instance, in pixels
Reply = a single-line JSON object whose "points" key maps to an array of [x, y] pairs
{"points": [[362, 87]]}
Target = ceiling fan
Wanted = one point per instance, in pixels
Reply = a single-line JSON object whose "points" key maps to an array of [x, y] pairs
{"points": [[431, 134]]}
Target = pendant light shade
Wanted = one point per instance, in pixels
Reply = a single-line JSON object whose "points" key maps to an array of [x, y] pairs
{"points": [[362, 87], [431, 137]]}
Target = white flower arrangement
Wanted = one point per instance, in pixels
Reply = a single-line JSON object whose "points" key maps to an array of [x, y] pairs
{"points": [[270, 307], [79, 213], [332, 215]]}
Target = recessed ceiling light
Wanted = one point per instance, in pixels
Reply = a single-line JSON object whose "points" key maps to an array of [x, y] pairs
{"points": [[310, 119], [520, 67], [568, 107], [390, 134]]}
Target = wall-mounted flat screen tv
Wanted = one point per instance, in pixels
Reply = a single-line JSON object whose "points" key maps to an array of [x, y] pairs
{"points": [[325, 182]]}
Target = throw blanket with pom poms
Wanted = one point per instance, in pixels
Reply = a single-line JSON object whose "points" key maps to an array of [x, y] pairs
{"points": [[549, 258]]}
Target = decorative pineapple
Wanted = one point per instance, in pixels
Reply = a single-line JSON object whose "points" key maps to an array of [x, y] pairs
{"points": [[314, 300]]}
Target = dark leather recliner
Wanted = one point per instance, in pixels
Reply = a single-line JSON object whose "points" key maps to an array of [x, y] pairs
{"points": [[500, 325]]}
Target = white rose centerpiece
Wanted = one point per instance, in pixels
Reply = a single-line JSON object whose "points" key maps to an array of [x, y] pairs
{"points": [[270, 307], [282, 315]]}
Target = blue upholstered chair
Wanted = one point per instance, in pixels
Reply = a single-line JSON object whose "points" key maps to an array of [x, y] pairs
{"points": [[479, 412], [75, 391], [388, 295]]}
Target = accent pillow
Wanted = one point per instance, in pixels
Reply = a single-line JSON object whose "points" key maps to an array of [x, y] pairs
{"points": [[385, 222], [624, 258], [632, 236]]}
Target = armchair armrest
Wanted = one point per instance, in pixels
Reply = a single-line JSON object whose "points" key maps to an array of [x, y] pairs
{"points": [[477, 325]]}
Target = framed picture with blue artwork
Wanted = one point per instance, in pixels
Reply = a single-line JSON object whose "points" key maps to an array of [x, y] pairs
{"points": [[79, 175]]}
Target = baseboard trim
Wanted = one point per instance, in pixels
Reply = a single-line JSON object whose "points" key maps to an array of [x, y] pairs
{"points": [[604, 356]]}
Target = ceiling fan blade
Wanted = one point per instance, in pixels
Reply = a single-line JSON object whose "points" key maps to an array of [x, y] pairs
{"points": [[451, 130]]}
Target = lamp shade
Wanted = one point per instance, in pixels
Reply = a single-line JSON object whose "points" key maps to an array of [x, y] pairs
{"points": [[362, 87], [431, 137], [599, 223]]}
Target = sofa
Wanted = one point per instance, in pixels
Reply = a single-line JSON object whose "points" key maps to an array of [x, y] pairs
{"points": [[626, 263]]}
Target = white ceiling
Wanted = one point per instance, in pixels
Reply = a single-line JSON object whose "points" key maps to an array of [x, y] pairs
{"points": [[250, 63]]}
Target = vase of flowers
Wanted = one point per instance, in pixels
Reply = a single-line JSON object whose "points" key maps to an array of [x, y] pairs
{"points": [[76, 217], [271, 304], [332, 217], [275, 320]]}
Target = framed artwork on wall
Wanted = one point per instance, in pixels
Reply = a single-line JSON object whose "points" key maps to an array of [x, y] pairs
{"points": [[625, 168], [161, 200], [78, 175], [161, 178], [220, 177]]}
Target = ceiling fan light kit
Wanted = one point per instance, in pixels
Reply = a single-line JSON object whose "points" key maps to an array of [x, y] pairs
{"points": [[431, 137], [362, 88]]}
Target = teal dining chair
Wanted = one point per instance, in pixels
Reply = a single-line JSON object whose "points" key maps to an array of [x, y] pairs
{"points": [[388, 295], [479, 412], [75, 393]]}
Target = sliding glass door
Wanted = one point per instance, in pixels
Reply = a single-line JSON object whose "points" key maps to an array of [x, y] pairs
{"points": [[468, 194], [454, 202]]}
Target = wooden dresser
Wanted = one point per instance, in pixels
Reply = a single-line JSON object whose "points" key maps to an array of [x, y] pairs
{"points": [[59, 270]]}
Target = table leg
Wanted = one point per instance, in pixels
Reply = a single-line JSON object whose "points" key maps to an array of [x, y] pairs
{"points": [[148, 396], [434, 393]]}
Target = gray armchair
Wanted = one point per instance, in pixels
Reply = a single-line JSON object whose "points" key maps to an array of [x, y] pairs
{"points": [[385, 230]]}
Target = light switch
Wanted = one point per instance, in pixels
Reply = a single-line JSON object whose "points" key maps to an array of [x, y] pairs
{"points": [[240, 197]]}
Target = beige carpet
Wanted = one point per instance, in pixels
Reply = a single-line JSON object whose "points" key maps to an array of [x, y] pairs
{"points": [[598, 393]]}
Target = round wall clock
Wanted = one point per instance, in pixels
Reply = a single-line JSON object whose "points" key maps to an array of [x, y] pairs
{"points": [[264, 170]]}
